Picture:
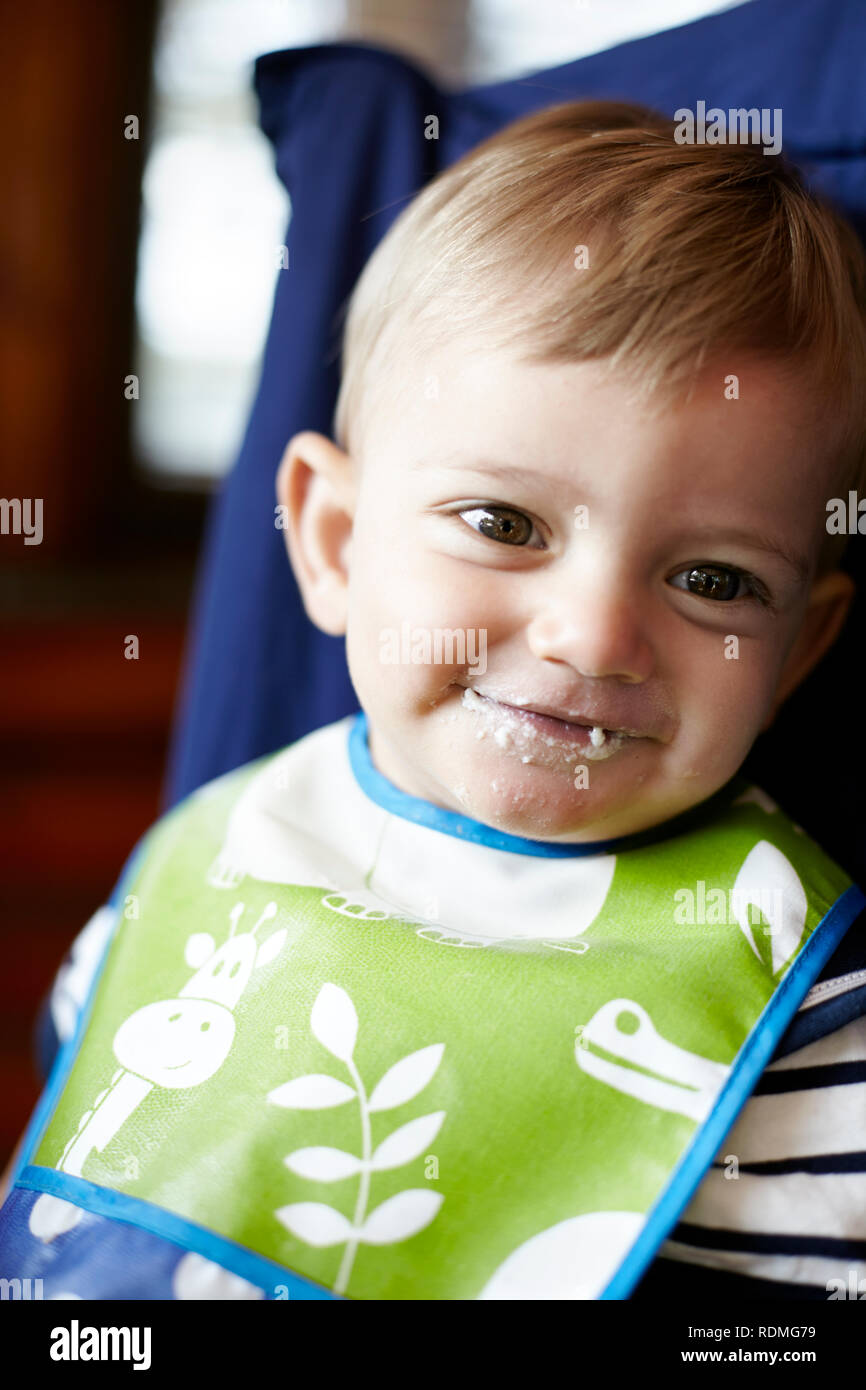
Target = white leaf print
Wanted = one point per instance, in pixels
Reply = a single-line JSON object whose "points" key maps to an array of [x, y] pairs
{"points": [[323, 1163], [406, 1078], [768, 879], [408, 1141], [334, 1021], [401, 1216], [315, 1223], [315, 1091]]}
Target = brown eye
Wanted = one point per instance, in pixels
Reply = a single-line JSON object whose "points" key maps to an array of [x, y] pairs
{"points": [[500, 524], [709, 582]]}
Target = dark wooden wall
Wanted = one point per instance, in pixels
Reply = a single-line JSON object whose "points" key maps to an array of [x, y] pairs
{"points": [[83, 730]]}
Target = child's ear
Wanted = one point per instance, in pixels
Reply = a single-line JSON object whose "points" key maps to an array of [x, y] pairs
{"points": [[316, 493], [825, 614]]}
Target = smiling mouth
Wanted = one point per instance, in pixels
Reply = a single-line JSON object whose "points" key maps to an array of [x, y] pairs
{"points": [[572, 730], [511, 724]]}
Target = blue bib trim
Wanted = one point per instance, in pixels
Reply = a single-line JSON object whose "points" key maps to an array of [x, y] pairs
{"points": [[103, 1201], [414, 808]]}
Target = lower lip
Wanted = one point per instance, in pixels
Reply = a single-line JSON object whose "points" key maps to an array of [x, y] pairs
{"points": [[532, 729], [557, 728]]}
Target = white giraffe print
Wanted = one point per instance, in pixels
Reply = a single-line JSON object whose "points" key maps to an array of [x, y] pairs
{"points": [[176, 1043]]}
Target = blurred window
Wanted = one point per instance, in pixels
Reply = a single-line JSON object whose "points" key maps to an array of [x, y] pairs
{"points": [[214, 211]]}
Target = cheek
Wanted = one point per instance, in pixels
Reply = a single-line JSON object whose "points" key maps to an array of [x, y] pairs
{"points": [[723, 692], [413, 627], [393, 584]]}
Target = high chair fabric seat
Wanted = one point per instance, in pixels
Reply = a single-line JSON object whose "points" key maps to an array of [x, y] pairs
{"points": [[347, 124]]}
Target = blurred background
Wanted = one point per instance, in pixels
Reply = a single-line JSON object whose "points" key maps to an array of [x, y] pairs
{"points": [[138, 253]]}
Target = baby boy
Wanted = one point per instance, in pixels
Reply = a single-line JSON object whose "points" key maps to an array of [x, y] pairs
{"points": [[598, 390]]}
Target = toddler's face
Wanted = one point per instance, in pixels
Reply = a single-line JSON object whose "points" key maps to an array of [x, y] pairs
{"points": [[584, 562]]}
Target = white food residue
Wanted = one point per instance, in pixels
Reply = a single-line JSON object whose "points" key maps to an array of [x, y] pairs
{"points": [[516, 734]]}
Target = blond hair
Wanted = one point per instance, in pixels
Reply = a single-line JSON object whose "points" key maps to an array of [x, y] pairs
{"points": [[693, 251]]}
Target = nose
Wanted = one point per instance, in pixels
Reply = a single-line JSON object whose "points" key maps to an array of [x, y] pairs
{"points": [[596, 627]]}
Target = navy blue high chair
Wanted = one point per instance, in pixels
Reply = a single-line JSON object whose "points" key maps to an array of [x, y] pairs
{"points": [[347, 124]]}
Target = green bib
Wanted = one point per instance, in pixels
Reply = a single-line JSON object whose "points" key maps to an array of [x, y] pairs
{"points": [[397, 1104]]}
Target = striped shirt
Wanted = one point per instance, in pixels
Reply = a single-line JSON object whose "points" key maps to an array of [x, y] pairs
{"points": [[782, 1212]]}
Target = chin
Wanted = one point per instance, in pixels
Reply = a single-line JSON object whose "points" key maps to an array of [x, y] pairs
{"points": [[539, 806]]}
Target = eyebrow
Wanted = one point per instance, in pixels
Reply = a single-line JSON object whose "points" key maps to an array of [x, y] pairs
{"points": [[458, 460], [755, 540], [472, 465]]}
